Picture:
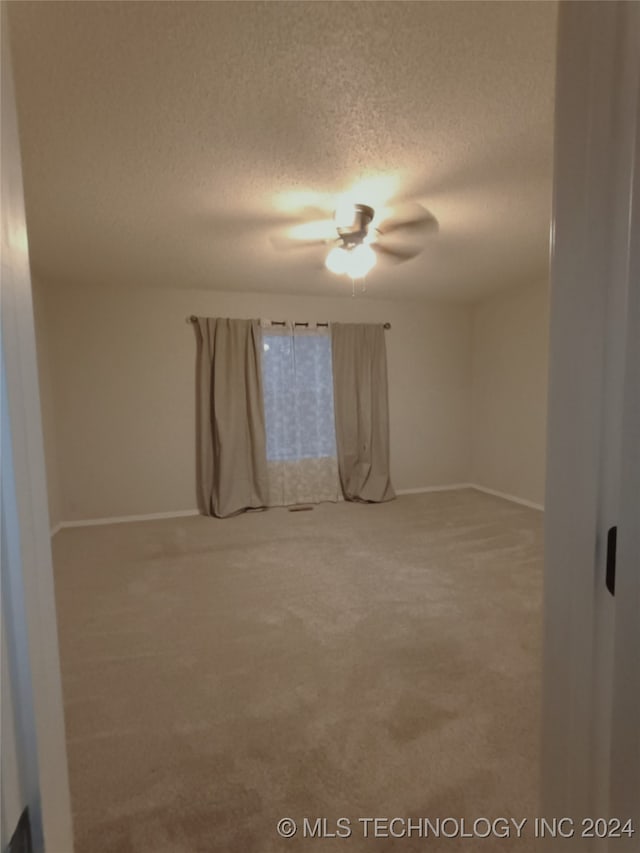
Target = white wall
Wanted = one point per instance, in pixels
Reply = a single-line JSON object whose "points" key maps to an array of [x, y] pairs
{"points": [[509, 356], [123, 369], [467, 390]]}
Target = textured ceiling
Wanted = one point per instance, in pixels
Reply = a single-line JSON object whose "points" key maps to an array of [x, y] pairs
{"points": [[164, 143]]}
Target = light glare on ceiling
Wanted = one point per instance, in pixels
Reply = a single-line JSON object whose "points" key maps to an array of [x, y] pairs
{"points": [[345, 215], [323, 229]]}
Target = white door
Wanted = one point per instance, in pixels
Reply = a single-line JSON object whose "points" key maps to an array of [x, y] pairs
{"points": [[589, 633]]}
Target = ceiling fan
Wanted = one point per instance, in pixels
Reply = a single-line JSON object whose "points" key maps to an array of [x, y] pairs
{"points": [[354, 249]]}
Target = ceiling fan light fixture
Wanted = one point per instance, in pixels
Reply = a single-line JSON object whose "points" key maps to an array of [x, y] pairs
{"points": [[361, 260], [337, 260], [352, 251], [355, 262]]}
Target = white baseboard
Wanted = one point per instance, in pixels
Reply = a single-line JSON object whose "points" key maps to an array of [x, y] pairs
{"points": [[185, 513], [124, 519], [451, 487], [506, 497], [422, 489]]}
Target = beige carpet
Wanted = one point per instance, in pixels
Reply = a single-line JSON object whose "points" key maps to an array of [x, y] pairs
{"points": [[354, 661]]}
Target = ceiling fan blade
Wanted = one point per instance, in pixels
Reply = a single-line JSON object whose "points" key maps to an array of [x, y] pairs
{"points": [[398, 255], [417, 217], [235, 222], [284, 244]]}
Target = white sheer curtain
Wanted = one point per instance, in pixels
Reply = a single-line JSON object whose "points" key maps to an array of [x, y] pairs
{"points": [[299, 418]]}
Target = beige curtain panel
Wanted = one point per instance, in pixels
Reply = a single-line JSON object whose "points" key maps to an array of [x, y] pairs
{"points": [[232, 458], [360, 399]]}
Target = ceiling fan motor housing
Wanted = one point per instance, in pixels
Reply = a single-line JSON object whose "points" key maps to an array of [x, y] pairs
{"points": [[356, 231]]}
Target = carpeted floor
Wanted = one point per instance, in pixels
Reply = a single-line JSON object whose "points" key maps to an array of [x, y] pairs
{"points": [[354, 661]]}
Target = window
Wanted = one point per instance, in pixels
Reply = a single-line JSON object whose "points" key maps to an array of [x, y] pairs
{"points": [[299, 419]]}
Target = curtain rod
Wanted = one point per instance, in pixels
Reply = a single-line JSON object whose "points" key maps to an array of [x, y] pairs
{"points": [[193, 319]]}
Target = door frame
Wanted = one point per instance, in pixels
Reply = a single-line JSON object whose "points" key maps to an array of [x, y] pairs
{"points": [[595, 157], [33, 672], [625, 783], [587, 75]]}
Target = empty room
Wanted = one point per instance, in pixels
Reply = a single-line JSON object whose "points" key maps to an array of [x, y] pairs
{"points": [[290, 271]]}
